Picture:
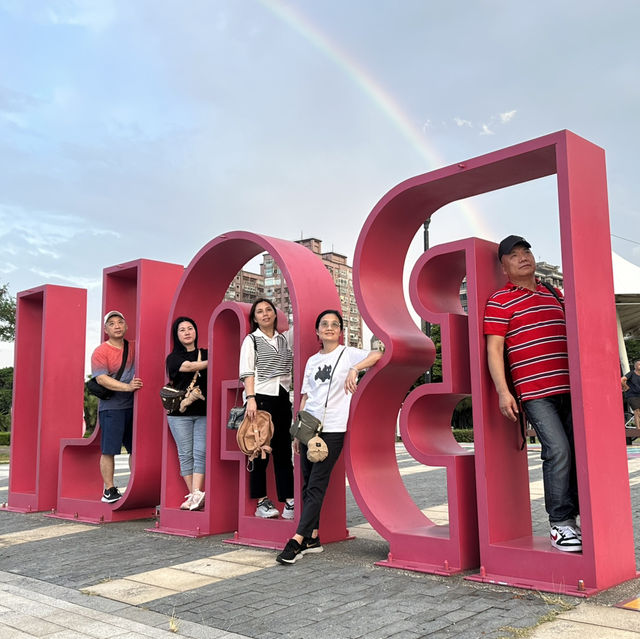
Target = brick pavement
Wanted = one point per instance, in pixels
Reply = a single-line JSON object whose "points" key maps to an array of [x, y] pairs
{"points": [[242, 592]]}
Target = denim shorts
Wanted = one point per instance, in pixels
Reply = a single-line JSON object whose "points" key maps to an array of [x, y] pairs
{"points": [[116, 430]]}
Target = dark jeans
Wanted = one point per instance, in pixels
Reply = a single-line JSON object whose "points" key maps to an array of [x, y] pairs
{"points": [[279, 408], [315, 481], [551, 419]]}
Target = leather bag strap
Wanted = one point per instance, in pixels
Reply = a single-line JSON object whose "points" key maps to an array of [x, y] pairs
{"points": [[326, 401]]}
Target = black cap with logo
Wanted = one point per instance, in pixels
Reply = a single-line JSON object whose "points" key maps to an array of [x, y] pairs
{"points": [[507, 245]]}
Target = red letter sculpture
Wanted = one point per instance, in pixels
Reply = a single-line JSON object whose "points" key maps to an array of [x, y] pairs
{"points": [[200, 296], [142, 290], [47, 390], [509, 553]]}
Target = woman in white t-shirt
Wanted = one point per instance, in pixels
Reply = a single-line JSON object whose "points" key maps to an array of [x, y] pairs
{"points": [[330, 377]]}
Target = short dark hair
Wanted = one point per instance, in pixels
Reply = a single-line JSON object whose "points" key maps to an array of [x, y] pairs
{"points": [[177, 345], [329, 311], [252, 320]]}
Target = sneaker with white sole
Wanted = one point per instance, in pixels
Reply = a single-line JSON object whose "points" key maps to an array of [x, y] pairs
{"points": [[291, 552], [266, 509], [111, 495], [565, 538], [197, 500], [288, 511], [186, 504], [311, 545]]}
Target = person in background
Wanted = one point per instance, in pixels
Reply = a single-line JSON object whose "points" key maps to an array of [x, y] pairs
{"points": [[265, 369], [188, 424], [631, 386], [318, 387], [115, 415]]}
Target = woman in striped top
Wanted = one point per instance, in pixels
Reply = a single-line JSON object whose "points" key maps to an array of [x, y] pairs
{"points": [[265, 369]]}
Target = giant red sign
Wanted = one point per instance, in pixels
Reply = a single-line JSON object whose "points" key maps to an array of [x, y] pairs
{"points": [[488, 490]]}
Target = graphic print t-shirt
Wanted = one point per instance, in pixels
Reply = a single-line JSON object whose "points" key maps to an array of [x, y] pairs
{"points": [[317, 373]]}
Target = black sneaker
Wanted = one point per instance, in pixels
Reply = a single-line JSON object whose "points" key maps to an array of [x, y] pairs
{"points": [[110, 495], [290, 553], [311, 545]]}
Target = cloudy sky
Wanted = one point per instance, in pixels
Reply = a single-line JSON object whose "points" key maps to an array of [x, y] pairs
{"points": [[120, 119]]}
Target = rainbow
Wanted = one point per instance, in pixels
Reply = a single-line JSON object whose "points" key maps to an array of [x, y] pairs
{"points": [[374, 90]]}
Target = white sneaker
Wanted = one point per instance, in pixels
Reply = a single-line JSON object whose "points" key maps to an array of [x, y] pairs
{"points": [[288, 511], [565, 538], [197, 500], [266, 509], [186, 504]]}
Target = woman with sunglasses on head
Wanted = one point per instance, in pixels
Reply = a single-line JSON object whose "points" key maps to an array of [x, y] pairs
{"points": [[189, 425], [265, 369], [330, 377]]}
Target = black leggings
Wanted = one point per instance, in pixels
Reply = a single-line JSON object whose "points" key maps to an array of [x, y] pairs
{"points": [[315, 481], [279, 407]]}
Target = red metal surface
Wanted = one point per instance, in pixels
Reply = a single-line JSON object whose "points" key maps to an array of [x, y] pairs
{"points": [[200, 295], [47, 390], [142, 290], [496, 524], [508, 551]]}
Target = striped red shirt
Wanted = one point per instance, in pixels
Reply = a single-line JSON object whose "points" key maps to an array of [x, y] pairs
{"points": [[533, 325]]}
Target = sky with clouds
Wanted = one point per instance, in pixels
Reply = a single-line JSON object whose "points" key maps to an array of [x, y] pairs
{"points": [[120, 119]]}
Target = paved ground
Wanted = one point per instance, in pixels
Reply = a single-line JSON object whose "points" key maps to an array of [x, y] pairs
{"points": [[69, 580]]}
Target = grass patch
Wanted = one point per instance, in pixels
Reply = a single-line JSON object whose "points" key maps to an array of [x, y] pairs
{"points": [[560, 605]]}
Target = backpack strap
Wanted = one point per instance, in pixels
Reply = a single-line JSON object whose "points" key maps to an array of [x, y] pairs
{"points": [[553, 292], [125, 354]]}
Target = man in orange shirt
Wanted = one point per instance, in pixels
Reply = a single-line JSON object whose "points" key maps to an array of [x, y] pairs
{"points": [[115, 414]]}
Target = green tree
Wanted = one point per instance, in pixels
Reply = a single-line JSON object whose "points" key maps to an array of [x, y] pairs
{"points": [[7, 315], [436, 369], [90, 410], [6, 390], [633, 350]]}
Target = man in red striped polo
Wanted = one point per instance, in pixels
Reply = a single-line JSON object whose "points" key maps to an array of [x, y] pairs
{"points": [[528, 319]]}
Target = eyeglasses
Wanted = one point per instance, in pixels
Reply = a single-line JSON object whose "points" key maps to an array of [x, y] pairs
{"points": [[329, 324]]}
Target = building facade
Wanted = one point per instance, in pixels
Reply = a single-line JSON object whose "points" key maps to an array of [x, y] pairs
{"points": [[270, 283], [550, 274], [245, 287]]}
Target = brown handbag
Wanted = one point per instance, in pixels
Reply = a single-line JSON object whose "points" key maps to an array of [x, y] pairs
{"points": [[254, 437]]}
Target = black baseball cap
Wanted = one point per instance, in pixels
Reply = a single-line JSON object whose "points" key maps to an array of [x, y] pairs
{"points": [[506, 246]]}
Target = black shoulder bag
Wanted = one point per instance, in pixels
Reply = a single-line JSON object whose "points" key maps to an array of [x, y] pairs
{"points": [[100, 391]]}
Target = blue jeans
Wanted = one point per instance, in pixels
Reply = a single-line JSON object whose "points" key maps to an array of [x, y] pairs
{"points": [[190, 435], [551, 419]]}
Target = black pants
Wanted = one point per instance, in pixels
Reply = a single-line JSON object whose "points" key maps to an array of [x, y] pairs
{"points": [[279, 407], [315, 481]]}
